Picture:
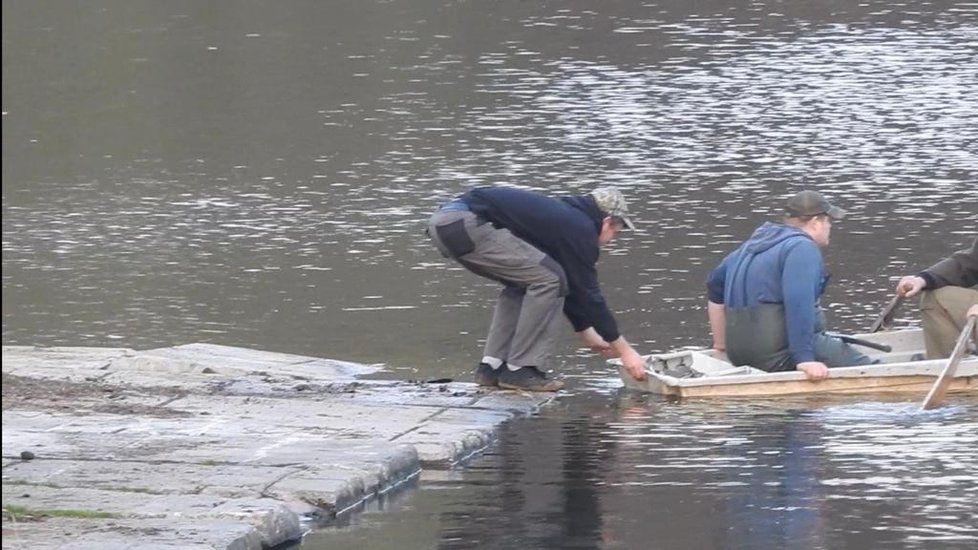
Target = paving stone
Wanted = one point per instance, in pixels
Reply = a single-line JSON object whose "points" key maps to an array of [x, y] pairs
{"points": [[128, 534], [274, 522]]}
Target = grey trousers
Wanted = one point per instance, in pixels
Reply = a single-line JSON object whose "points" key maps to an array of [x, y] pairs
{"points": [[526, 322], [942, 314]]}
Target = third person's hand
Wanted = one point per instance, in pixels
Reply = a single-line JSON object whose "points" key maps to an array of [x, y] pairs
{"points": [[910, 286]]}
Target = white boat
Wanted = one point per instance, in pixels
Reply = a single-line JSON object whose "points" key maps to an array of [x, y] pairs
{"points": [[708, 373]]}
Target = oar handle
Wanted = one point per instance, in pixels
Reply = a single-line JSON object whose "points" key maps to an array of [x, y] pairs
{"points": [[861, 342], [886, 316]]}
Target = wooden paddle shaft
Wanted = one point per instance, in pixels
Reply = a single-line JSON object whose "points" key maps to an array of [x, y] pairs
{"points": [[886, 316], [937, 392]]}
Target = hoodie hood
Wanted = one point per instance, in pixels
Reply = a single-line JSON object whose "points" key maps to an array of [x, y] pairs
{"points": [[770, 234], [586, 204]]}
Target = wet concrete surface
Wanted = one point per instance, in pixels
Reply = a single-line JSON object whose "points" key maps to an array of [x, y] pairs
{"points": [[217, 447]]}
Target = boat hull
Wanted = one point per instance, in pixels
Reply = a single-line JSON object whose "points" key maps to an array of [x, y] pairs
{"points": [[707, 373]]}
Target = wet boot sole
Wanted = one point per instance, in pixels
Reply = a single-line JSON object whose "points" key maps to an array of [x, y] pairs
{"points": [[486, 383]]}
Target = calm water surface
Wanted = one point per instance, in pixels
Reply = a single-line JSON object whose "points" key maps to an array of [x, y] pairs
{"points": [[608, 469], [258, 174]]}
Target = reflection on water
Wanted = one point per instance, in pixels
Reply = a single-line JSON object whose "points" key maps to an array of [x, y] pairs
{"points": [[258, 174], [646, 472]]}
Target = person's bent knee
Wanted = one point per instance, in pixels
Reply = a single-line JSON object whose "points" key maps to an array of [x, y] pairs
{"points": [[948, 302], [558, 271], [950, 296], [546, 285]]}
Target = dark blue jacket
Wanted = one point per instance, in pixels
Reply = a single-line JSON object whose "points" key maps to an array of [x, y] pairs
{"points": [[566, 229], [779, 264]]}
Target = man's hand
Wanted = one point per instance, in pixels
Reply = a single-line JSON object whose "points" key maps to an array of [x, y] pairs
{"points": [[814, 370], [910, 286], [973, 311], [630, 359], [597, 344], [634, 364]]}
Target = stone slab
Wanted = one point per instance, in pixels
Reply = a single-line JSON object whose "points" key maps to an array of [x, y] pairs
{"points": [[220, 447], [453, 435], [61, 363], [59, 533], [224, 359], [274, 522], [334, 415], [161, 478]]}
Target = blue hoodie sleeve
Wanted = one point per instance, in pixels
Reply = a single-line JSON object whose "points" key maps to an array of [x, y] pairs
{"points": [[801, 282]]}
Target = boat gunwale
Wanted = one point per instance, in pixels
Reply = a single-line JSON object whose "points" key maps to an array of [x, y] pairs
{"points": [[933, 367]]}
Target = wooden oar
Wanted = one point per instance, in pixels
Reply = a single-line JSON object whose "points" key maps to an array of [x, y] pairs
{"points": [[886, 316], [860, 342], [937, 392]]}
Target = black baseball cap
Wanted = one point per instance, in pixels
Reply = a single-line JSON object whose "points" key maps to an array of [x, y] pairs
{"points": [[812, 203]]}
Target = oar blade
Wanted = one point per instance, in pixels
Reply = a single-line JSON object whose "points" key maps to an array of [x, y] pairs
{"points": [[939, 390]]}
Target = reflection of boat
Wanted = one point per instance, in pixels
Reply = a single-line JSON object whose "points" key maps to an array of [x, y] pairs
{"points": [[704, 373]]}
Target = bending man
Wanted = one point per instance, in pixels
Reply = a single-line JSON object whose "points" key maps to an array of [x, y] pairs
{"points": [[543, 250]]}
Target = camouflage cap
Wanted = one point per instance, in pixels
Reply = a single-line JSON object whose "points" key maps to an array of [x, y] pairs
{"points": [[812, 203], [612, 203]]}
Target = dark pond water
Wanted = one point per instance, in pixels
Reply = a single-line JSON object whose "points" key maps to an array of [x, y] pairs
{"points": [[608, 469], [258, 174]]}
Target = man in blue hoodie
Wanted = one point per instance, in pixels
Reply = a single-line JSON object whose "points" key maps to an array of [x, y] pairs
{"points": [[543, 250], [763, 297]]}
